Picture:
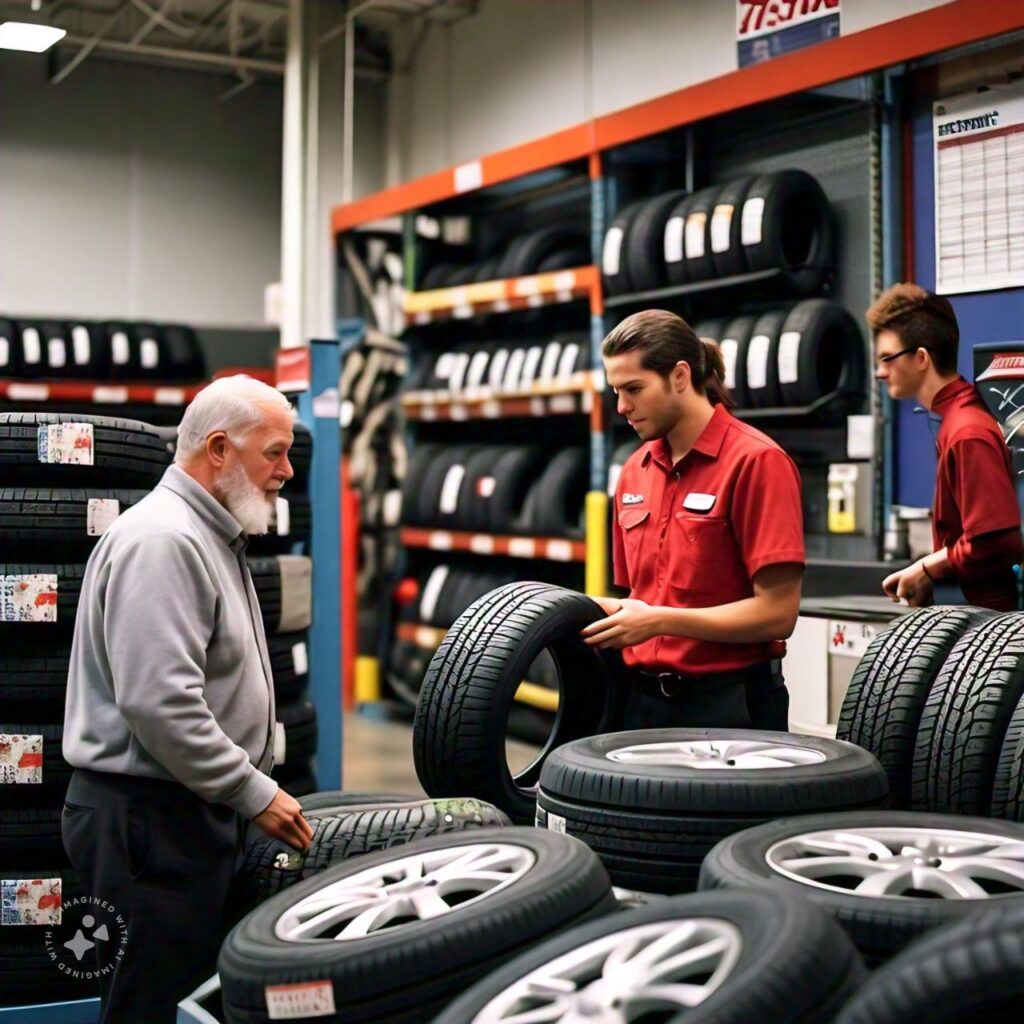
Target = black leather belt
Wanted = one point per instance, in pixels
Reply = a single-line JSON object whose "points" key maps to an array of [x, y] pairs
{"points": [[765, 676]]}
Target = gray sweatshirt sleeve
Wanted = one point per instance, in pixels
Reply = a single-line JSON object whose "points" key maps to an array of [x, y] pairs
{"points": [[160, 610]]}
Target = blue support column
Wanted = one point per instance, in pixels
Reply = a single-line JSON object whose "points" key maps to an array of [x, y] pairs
{"points": [[318, 409]]}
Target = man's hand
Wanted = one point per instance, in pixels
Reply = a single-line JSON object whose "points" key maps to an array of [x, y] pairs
{"points": [[282, 818], [911, 585], [629, 622]]}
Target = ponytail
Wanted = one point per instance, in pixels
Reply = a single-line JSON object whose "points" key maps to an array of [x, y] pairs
{"points": [[713, 368]]}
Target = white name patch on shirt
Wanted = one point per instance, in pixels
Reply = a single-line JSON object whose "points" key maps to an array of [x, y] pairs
{"points": [[632, 499], [695, 502]]}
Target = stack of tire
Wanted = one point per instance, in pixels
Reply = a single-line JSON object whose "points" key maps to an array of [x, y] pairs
{"points": [[284, 588], [58, 349], [780, 221], [556, 247], [497, 369], [63, 479], [497, 488]]}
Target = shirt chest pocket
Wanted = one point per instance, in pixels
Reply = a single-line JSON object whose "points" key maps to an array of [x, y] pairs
{"points": [[698, 548], [634, 524]]}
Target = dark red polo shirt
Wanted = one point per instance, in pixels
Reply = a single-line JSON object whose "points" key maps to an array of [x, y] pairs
{"points": [[694, 534], [975, 514]]}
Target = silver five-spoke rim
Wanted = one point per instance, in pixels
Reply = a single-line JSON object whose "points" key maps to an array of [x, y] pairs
{"points": [[717, 754], [404, 891], [903, 862], [663, 967]]}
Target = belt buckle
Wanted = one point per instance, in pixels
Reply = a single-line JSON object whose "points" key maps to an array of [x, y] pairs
{"points": [[662, 676]]}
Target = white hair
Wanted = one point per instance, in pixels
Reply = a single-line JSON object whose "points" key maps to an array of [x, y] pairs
{"points": [[232, 404]]}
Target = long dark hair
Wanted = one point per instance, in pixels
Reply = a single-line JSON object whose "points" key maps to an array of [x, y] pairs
{"points": [[664, 339]]}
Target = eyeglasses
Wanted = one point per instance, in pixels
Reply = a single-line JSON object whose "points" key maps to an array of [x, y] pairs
{"points": [[895, 355]]}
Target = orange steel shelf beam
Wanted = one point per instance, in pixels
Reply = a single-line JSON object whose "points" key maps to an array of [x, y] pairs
{"points": [[953, 24], [552, 549]]}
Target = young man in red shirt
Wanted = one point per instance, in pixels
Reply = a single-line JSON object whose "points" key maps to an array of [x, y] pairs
{"points": [[707, 533], [975, 519]]}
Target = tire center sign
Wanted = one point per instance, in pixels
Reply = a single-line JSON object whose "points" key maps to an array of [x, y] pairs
{"points": [[770, 28]]}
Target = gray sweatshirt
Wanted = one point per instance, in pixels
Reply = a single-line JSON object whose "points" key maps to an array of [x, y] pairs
{"points": [[170, 677]]}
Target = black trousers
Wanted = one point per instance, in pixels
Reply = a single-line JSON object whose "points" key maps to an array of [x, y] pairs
{"points": [[164, 859], [761, 702]]}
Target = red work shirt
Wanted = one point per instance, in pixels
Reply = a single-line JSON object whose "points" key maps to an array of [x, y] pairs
{"points": [[694, 534], [975, 515]]}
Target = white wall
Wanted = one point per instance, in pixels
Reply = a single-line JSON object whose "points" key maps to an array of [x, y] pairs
{"points": [[132, 192], [521, 69]]}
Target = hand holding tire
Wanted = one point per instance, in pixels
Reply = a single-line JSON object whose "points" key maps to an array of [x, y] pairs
{"points": [[632, 623], [282, 818]]}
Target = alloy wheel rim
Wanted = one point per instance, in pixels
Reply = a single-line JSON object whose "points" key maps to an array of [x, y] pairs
{"points": [[717, 755]]}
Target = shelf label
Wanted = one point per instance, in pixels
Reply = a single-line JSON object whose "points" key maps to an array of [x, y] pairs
{"points": [[612, 252], [789, 357], [721, 226], [463, 312], [522, 547], [100, 514], [457, 411], [169, 396], [501, 306], [425, 637], [28, 392], [750, 225], [481, 544], [695, 225], [559, 550], [565, 281], [757, 361], [110, 395], [538, 407], [469, 176], [491, 409], [439, 540], [422, 318], [562, 403], [304, 999]]}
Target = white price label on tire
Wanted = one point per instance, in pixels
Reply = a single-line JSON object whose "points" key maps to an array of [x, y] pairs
{"points": [[721, 226], [283, 517], [280, 744], [304, 999], [66, 444], [612, 252], [789, 357], [729, 347], [100, 515], [28, 597], [695, 225], [757, 361], [750, 224], [300, 658], [674, 239], [21, 759], [556, 823]]}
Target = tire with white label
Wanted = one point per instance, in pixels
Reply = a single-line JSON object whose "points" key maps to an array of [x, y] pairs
{"points": [[734, 344], [33, 772], [59, 357], [477, 487], [526, 253], [721, 957], [38, 603], [887, 876], [787, 224], [820, 350], [152, 360], [514, 473], [433, 935], [963, 973], [10, 349], [697, 211], [124, 353], [283, 585], [725, 228], [80, 450], [293, 524], [298, 723], [966, 718], [462, 715], [762, 364], [438, 499], [883, 704], [289, 663], [645, 241], [554, 507], [651, 803], [615, 274]]}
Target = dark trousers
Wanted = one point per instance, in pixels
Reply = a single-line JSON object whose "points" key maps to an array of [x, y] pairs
{"points": [[163, 858], [761, 701]]}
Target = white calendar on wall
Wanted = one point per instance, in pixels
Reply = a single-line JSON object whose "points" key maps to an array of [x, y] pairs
{"points": [[979, 190]]}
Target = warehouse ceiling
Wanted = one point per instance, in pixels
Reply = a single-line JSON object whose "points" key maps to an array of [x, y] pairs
{"points": [[245, 39]]}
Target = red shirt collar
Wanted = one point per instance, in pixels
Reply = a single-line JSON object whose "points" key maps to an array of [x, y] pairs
{"points": [[951, 394], [708, 443]]}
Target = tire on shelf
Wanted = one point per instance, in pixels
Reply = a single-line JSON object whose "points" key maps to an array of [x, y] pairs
{"points": [[286, 532], [289, 664], [10, 349], [58, 352], [185, 360], [883, 704], [966, 717], [488, 269], [614, 253], [697, 256], [834, 853], [711, 327], [564, 259], [554, 507], [528, 251], [296, 574], [478, 484], [440, 485], [300, 455], [725, 228], [645, 242], [462, 714], [618, 459], [266, 580], [652, 803], [820, 350], [39, 744], [408, 970], [125, 453], [787, 224], [31, 617], [734, 344], [148, 342], [31, 349], [124, 356], [38, 676], [420, 460], [762, 367], [969, 971], [296, 735], [770, 959], [437, 276]]}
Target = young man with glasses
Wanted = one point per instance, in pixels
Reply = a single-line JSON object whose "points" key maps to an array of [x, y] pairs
{"points": [[975, 517]]}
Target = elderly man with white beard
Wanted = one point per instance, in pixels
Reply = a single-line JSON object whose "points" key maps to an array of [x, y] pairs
{"points": [[169, 720]]}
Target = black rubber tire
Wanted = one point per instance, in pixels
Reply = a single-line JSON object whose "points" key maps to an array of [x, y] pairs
{"points": [[712, 327], [94, 357], [966, 717], [124, 354], [471, 507], [964, 973], [725, 228], [565, 259], [879, 926], [795, 966], [420, 460], [734, 343], [300, 731], [339, 833], [39, 677], [300, 528], [514, 473], [148, 341], [185, 362], [645, 242], [300, 455], [660, 822], [488, 270], [409, 973], [436, 276], [42, 636], [1008, 787], [266, 578], [10, 349], [126, 453], [615, 274], [769, 395], [329, 799], [883, 704], [32, 832], [822, 347], [428, 503], [462, 714], [466, 274], [559, 495], [700, 266], [528, 251], [285, 662], [797, 230], [55, 519]]}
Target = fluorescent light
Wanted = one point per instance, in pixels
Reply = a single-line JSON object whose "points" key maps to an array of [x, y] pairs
{"points": [[20, 35]]}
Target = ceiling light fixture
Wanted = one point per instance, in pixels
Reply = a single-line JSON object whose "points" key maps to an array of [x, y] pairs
{"points": [[21, 35]]}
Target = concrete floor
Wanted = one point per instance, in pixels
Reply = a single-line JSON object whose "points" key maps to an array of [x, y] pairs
{"points": [[377, 756]]}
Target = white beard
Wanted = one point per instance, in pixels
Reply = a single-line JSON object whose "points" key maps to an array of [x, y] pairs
{"points": [[245, 501]]}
